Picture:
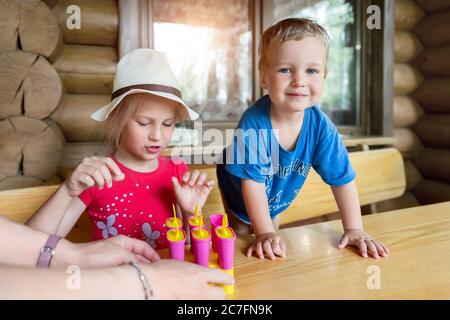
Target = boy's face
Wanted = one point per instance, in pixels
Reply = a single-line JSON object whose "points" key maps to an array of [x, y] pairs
{"points": [[295, 74], [147, 133]]}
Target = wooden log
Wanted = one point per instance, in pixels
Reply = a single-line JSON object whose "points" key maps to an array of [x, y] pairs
{"points": [[407, 14], [29, 85], [407, 142], [435, 62], [407, 200], [30, 26], [406, 78], [99, 22], [9, 24], [407, 46], [413, 176], [73, 116], [18, 182], [429, 191], [434, 164], [434, 130], [433, 29], [87, 59], [75, 152], [29, 147], [434, 5], [87, 83], [406, 111], [434, 95]]}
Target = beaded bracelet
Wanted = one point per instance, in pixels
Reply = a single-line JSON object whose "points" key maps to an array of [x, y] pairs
{"points": [[148, 290]]}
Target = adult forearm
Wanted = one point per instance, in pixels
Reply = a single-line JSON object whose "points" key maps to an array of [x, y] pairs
{"points": [[49, 216], [31, 283], [20, 246], [347, 200], [257, 207]]}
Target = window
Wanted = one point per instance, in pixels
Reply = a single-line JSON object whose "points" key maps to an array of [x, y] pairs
{"points": [[209, 48], [212, 47]]}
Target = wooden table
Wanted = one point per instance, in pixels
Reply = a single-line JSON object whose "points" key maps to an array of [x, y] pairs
{"points": [[417, 268]]}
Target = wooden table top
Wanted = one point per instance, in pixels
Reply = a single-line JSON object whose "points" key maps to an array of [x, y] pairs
{"points": [[417, 268]]}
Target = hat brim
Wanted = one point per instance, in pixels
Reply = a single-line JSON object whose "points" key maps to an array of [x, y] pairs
{"points": [[186, 113]]}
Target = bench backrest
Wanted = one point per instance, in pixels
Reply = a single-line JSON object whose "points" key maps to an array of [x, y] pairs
{"points": [[380, 176]]}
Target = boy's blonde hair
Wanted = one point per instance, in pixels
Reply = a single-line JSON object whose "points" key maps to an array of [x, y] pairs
{"points": [[290, 29]]}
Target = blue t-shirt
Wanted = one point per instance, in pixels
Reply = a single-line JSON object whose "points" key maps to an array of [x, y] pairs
{"points": [[256, 154]]}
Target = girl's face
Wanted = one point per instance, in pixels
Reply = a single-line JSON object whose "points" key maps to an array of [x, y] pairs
{"points": [[147, 133]]}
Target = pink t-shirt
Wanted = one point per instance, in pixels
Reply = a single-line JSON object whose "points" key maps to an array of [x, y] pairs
{"points": [[137, 206]]}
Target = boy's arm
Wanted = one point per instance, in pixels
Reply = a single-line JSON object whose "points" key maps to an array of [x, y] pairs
{"points": [[258, 211], [257, 206], [58, 214], [347, 200]]}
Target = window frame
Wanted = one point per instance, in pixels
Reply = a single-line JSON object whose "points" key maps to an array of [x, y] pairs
{"points": [[376, 83]]}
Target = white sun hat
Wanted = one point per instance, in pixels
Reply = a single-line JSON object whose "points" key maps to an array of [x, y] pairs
{"points": [[144, 71]]}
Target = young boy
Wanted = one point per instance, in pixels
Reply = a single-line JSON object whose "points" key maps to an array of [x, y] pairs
{"points": [[258, 181]]}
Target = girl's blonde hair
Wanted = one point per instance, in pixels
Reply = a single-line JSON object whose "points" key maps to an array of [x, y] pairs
{"points": [[290, 29], [119, 117]]}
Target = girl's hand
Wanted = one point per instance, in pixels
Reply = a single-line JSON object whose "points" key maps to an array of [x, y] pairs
{"points": [[93, 171], [365, 243], [268, 243], [194, 189]]}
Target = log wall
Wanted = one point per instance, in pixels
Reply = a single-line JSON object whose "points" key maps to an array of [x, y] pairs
{"points": [[51, 79], [407, 111], [433, 95]]}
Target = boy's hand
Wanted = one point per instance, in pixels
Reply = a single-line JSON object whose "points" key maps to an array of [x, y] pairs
{"points": [[194, 189], [93, 171], [269, 244], [365, 243]]}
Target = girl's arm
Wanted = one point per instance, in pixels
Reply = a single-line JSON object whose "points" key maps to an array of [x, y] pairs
{"points": [[347, 200], [59, 214], [257, 206]]}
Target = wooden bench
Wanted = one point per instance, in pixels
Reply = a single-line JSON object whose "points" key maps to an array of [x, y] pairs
{"points": [[379, 176]]}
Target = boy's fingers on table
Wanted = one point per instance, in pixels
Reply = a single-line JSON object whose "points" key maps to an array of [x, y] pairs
{"points": [[372, 248], [343, 242], [250, 251], [362, 248], [380, 249], [268, 249], [277, 248], [259, 250], [386, 249]]}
